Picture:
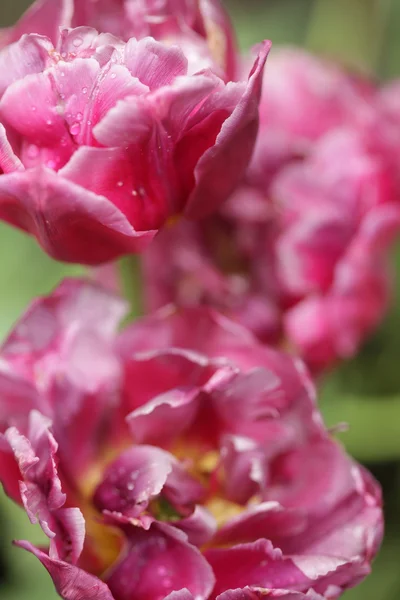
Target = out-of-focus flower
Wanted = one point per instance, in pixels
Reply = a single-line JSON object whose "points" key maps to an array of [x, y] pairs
{"points": [[201, 27], [178, 459], [101, 142], [299, 253]]}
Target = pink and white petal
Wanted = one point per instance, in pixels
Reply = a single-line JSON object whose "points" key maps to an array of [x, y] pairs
{"points": [[31, 54], [181, 595], [9, 161], [258, 593], [233, 146], [40, 488], [71, 582], [29, 105], [153, 63], [133, 479], [158, 562], [71, 223], [130, 122]]}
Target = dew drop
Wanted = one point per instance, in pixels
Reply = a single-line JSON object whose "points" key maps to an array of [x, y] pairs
{"points": [[32, 151], [79, 116], [62, 74], [75, 128], [113, 75], [120, 183], [51, 164], [33, 108], [62, 96], [84, 90], [49, 122], [134, 193]]}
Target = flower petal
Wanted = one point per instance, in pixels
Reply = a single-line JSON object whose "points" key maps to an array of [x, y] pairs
{"points": [[158, 562], [66, 218], [70, 582]]}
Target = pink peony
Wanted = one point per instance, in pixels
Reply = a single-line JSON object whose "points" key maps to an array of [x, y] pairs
{"points": [[101, 142], [178, 459], [201, 27], [299, 252]]}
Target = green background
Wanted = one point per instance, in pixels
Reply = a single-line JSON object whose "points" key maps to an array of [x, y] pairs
{"points": [[364, 392]]}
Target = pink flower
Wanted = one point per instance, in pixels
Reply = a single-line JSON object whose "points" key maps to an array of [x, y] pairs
{"points": [[299, 252], [102, 142], [178, 459], [201, 27]]}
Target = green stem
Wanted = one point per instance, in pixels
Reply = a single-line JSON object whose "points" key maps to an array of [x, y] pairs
{"points": [[374, 425], [350, 31], [131, 284]]}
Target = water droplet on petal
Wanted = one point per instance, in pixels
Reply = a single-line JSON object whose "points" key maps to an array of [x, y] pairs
{"points": [[79, 116], [32, 151], [49, 122], [75, 128], [113, 75], [33, 108], [120, 183], [84, 90], [51, 164], [62, 74]]}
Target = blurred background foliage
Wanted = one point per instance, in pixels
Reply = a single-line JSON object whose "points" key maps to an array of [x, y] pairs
{"points": [[365, 392]]}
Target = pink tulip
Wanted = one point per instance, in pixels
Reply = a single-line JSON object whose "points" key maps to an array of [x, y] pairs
{"points": [[299, 252], [101, 142], [201, 27], [177, 459]]}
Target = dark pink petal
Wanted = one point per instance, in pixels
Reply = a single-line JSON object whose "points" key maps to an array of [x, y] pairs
{"points": [[199, 527], [164, 417], [70, 582], [267, 520], [66, 218], [245, 467], [167, 377], [158, 562], [257, 564], [233, 146]]}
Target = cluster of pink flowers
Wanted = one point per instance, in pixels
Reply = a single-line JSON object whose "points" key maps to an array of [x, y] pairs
{"points": [[181, 457], [299, 252]]}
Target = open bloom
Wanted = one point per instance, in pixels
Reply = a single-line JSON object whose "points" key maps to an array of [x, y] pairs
{"points": [[101, 141], [201, 27], [299, 252], [179, 458]]}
